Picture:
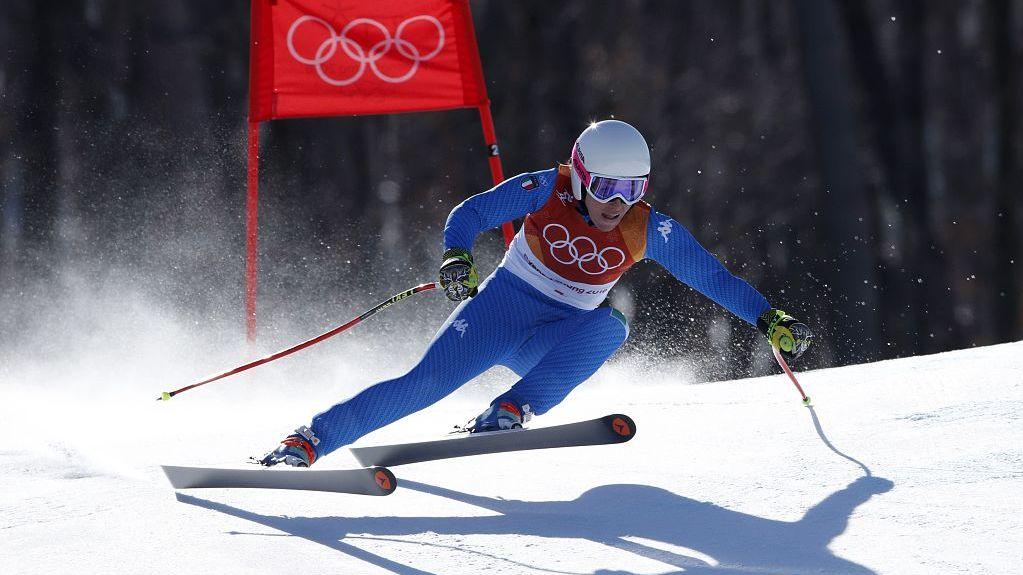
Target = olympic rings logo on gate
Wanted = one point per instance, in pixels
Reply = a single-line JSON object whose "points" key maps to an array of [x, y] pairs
{"points": [[591, 254], [352, 49]]}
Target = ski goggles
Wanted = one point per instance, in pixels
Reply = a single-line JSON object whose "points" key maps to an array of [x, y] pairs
{"points": [[606, 188]]}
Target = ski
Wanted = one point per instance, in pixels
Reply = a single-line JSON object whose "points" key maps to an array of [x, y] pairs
{"points": [[605, 430], [369, 481]]}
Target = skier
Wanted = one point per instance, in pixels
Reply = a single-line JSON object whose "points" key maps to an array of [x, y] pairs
{"points": [[544, 313]]}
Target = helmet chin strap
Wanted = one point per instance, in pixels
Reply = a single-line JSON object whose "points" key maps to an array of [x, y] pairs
{"points": [[582, 209]]}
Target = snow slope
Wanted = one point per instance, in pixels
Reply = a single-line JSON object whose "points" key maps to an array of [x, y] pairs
{"points": [[733, 477]]}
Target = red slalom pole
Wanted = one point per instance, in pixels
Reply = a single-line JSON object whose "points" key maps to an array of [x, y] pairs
{"points": [[494, 157], [792, 376], [165, 396], [251, 231]]}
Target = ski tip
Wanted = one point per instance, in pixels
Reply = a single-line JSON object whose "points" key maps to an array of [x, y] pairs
{"points": [[622, 425], [174, 476], [385, 480]]}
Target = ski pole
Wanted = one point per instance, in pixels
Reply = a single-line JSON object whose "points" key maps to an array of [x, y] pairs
{"points": [[785, 367], [165, 396]]}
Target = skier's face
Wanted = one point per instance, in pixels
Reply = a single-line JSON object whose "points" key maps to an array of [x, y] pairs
{"points": [[606, 216]]}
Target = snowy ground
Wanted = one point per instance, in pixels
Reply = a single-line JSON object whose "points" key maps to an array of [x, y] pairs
{"points": [[727, 477]]}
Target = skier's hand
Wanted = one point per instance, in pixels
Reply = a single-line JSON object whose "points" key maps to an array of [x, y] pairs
{"points": [[790, 336], [458, 275]]}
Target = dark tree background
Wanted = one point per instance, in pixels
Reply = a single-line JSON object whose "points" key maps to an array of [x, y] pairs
{"points": [[858, 161]]}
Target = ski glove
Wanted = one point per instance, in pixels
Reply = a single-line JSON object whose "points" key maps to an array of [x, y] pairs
{"points": [[458, 275], [790, 336]]}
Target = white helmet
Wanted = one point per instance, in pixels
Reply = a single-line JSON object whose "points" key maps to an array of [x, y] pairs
{"points": [[612, 149]]}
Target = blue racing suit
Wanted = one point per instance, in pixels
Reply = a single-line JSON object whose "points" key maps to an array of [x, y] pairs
{"points": [[542, 313]]}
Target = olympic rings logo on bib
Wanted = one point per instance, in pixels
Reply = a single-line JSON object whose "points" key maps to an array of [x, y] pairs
{"points": [[582, 251], [365, 58]]}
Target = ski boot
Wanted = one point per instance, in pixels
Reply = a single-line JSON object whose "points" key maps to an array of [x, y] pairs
{"points": [[296, 450], [503, 414]]}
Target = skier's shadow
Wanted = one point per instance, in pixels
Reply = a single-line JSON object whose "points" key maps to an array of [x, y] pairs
{"points": [[713, 540]]}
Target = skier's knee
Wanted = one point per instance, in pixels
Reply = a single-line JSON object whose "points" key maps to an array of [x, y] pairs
{"points": [[620, 317], [616, 325]]}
